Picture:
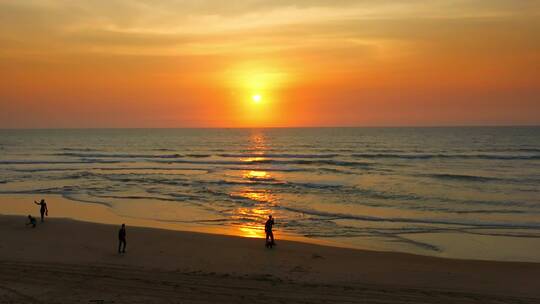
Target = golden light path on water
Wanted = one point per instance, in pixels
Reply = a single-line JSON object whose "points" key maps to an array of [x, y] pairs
{"points": [[263, 199]]}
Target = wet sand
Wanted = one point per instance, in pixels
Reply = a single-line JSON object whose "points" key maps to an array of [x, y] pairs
{"points": [[67, 261]]}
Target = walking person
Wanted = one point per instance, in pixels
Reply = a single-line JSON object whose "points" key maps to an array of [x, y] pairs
{"points": [[43, 209], [269, 234], [122, 239]]}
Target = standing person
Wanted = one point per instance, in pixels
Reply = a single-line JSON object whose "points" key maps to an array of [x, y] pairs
{"points": [[269, 233], [43, 209], [122, 239]]}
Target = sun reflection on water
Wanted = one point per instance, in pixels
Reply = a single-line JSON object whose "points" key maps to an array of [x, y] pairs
{"points": [[256, 196], [258, 142], [251, 231], [250, 218], [253, 159], [256, 216], [257, 175]]}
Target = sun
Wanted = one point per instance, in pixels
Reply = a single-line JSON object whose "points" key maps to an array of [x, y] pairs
{"points": [[256, 98]]}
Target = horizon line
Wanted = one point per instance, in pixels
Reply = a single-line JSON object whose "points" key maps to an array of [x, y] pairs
{"points": [[284, 127]]}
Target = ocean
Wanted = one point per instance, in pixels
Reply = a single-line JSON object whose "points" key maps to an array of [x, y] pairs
{"points": [[466, 192]]}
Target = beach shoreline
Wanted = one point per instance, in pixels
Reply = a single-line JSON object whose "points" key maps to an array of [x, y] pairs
{"points": [[59, 249], [447, 245], [91, 212]]}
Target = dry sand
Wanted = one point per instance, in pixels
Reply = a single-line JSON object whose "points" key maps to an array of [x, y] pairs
{"points": [[67, 261]]}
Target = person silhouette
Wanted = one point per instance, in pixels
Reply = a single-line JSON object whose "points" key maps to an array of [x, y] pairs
{"points": [[269, 233], [31, 221], [43, 209], [122, 239]]}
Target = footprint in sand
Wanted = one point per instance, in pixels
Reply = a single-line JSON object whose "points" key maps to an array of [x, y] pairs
{"points": [[298, 269]]}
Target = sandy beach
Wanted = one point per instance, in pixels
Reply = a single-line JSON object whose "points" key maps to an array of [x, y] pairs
{"points": [[67, 261]]}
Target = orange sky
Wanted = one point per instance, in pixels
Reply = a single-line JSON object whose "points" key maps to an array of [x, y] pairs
{"points": [[314, 63]]}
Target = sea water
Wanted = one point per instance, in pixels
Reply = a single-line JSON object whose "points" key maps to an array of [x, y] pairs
{"points": [[469, 192]]}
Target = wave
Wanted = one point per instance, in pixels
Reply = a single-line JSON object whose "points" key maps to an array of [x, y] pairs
{"points": [[142, 197], [249, 182], [270, 155], [151, 168], [56, 162], [449, 156], [79, 149], [356, 194], [318, 157], [337, 150], [388, 200], [317, 162], [336, 216], [256, 182], [198, 155], [404, 197], [528, 149], [51, 190], [78, 198], [485, 211], [336, 171], [276, 162], [45, 170], [111, 169], [282, 159], [268, 169], [201, 221], [117, 155], [509, 149], [448, 176], [316, 185]]}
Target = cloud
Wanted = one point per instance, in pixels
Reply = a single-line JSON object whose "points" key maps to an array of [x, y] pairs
{"points": [[209, 27]]}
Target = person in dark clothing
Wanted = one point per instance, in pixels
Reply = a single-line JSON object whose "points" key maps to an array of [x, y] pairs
{"points": [[31, 221], [269, 234], [43, 209], [122, 239]]}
